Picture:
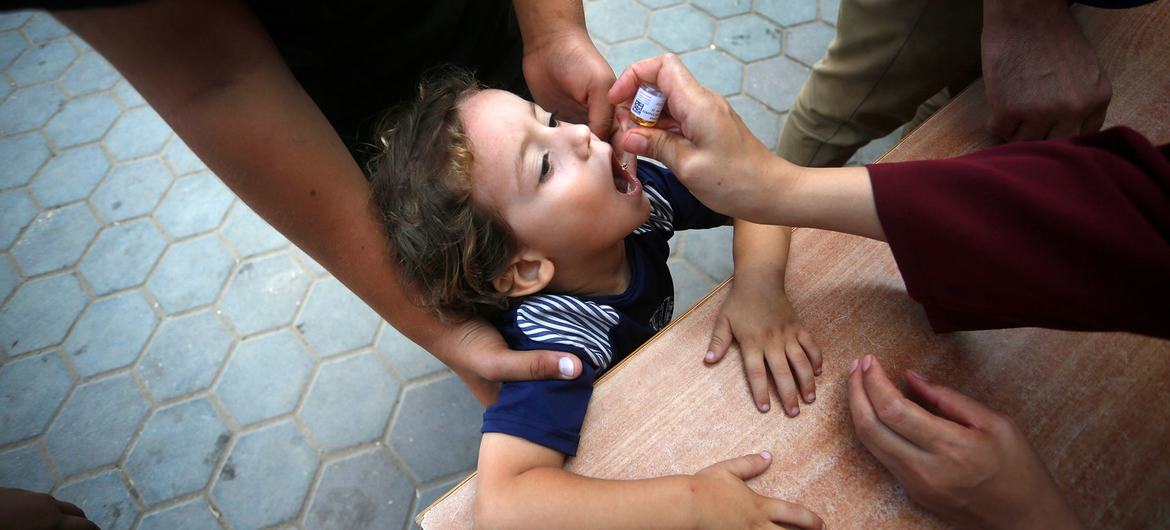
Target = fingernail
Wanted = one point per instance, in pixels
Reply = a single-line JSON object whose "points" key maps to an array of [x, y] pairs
{"points": [[793, 411], [866, 363], [812, 396], [764, 407], [918, 375], [766, 455], [818, 372], [566, 367], [853, 367], [709, 357], [637, 143]]}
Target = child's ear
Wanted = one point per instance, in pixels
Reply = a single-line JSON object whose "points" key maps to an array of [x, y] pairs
{"points": [[526, 274]]}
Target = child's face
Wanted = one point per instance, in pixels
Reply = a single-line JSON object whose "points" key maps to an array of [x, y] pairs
{"points": [[556, 185]]}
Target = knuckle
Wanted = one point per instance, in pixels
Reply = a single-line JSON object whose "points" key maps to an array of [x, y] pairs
{"points": [[892, 412], [536, 367]]}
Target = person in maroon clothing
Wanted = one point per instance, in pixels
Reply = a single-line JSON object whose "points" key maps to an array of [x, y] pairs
{"points": [[1083, 223]]}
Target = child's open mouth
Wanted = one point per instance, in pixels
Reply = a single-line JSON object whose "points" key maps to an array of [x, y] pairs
{"points": [[624, 180]]}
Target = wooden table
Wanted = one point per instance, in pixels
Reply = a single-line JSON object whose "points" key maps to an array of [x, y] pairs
{"points": [[1095, 405]]}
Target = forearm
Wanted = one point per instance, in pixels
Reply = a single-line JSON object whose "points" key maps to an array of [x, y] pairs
{"points": [[838, 199], [228, 94], [550, 497], [761, 252], [545, 19]]}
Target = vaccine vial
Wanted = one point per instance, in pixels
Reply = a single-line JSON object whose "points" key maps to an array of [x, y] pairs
{"points": [[647, 105]]}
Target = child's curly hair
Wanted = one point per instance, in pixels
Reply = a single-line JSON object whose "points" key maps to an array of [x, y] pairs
{"points": [[448, 247]]}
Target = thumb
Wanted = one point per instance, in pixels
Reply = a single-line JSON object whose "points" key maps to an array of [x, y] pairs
{"points": [[535, 365], [720, 341], [950, 403], [747, 466], [663, 146]]}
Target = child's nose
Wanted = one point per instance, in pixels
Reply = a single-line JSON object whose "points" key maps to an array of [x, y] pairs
{"points": [[581, 137]]}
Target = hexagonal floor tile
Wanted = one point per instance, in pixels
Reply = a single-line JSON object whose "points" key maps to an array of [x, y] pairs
{"points": [[122, 256], [264, 294], [24, 468], [190, 515], [690, 285], [31, 389], [55, 239], [763, 123], [436, 431], [22, 155], [40, 313], [715, 70], [191, 274], [177, 451], [184, 355], [749, 37], [8, 281], [12, 43], [709, 250], [364, 490], [16, 210], [808, 43], [105, 500], [29, 108], [127, 95], [621, 56], [139, 132], [43, 26], [615, 20], [96, 424], [110, 333], [181, 159], [349, 402], [408, 359], [428, 496], [335, 320], [724, 8], [132, 189], [776, 82], [195, 204], [90, 73], [42, 62], [70, 176], [251, 390], [258, 486], [14, 19], [83, 120], [829, 11], [788, 12], [249, 233], [682, 28]]}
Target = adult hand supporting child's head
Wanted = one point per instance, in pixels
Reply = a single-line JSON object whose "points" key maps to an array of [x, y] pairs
{"points": [[713, 153], [566, 74]]}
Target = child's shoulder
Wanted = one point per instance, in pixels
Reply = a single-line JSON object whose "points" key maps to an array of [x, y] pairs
{"points": [[562, 322]]}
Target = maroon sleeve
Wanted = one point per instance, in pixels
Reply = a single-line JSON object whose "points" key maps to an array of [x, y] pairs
{"points": [[1068, 234]]}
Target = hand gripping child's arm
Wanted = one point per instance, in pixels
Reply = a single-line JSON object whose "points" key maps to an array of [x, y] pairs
{"points": [[522, 485], [759, 318]]}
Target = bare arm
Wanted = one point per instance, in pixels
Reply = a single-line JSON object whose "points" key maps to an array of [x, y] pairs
{"points": [[522, 485], [211, 71]]}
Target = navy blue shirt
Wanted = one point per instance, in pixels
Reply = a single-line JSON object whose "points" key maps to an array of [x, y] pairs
{"points": [[601, 330]]}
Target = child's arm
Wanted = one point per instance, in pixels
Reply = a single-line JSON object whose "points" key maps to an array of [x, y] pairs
{"points": [[758, 316], [522, 485]]}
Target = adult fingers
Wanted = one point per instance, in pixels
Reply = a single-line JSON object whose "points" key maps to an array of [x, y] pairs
{"points": [[666, 147], [68, 508], [669, 74], [886, 445], [1094, 122], [810, 347], [720, 341], [757, 376], [801, 368], [1031, 130], [899, 414], [793, 515], [600, 109], [511, 365], [950, 403], [1065, 128], [782, 376]]}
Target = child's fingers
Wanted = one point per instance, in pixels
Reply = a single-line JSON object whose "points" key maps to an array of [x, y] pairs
{"points": [[790, 514], [782, 375], [748, 466], [757, 376], [810, 347], [721, 338], [798, 360]]}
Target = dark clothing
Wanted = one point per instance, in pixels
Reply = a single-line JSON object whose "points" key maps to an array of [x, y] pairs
{"points": [[1067, 234]]}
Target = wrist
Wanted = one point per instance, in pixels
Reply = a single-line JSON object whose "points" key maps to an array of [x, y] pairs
{"points": [[543, 23]]}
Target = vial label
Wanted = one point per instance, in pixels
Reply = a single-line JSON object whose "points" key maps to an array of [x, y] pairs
{"points": [[647, 105]]}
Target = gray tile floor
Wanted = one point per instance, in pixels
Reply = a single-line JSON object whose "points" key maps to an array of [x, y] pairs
{"points": [[169, 360]]}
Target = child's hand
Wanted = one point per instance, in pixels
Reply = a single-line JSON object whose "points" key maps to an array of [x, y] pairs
{"points": [[758, 316], [724, 501]]}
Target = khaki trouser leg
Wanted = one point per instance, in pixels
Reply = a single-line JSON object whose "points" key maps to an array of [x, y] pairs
{"points": [[889, 56]]}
